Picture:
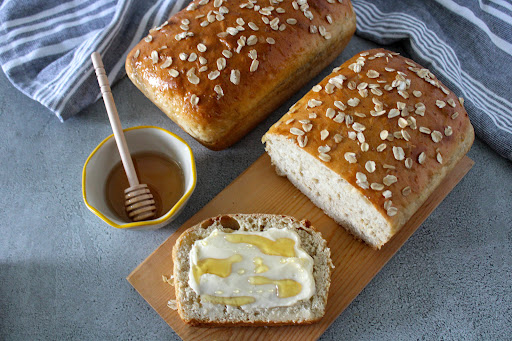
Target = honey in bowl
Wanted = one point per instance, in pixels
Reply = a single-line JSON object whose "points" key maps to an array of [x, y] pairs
{"points": [[163, 176]]}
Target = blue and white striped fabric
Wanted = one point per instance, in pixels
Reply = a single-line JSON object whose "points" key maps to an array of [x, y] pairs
{"points": [[467, 44], [45, 47]]}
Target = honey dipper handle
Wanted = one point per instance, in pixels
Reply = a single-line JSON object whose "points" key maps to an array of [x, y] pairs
{"points": [[114, 119]]}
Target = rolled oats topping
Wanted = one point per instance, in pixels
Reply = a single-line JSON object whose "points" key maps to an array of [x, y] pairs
{"points": [[213, 75], [372, 74], [174, 73], [425, 130], [358, 127], [421, 158], [439, 158], [362, 180], [324, 134], [398, 153], [302, 140], [312, 103], [353, 102], [348, 117], [377, 186], [393, 113], [408, 163], [254, 65], [392, 211], [296, 131], [381, 147], [437, 136], [235, 77], [239, 26], [350, 157], [339, 118], [194, 100], [389, 180], [154, 57], [370, 166], [191, 76], [167, 63], [307, 127], [324, 157]]}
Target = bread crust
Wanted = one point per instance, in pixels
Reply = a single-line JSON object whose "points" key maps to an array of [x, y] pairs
{"points": [[226, 222], [284, 67], [360, 95]]}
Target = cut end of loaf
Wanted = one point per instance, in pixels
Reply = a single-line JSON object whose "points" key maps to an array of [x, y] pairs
{"points": [[329, 191], [195, 312], [381, 132]]}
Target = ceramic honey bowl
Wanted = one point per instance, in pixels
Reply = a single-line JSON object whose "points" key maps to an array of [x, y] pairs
{"points": [[165, 162]]}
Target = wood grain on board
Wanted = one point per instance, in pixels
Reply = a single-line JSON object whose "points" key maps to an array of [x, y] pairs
{"points": [[260, 190]]}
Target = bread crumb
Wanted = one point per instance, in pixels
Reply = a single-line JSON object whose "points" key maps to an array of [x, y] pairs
{"points": [[172, 304], [169, 280]]}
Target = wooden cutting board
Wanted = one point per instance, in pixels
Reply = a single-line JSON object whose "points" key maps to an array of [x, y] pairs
{"points": [[260, 190]]}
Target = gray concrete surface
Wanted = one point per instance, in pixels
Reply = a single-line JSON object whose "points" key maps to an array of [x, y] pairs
{"points": [[62, 270]]}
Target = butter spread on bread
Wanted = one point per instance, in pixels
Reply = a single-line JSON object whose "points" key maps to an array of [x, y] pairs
{"points": [[217, 68], [251, 270], [371, 142], [261, 268]]}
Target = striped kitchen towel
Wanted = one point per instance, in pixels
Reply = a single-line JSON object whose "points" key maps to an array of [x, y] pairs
{"points": [[46, 44], [467, 44]]}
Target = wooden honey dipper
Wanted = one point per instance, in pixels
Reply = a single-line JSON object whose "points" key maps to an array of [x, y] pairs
{"points": [[140, 204]]}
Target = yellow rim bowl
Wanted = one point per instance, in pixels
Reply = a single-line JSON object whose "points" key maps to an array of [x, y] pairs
{"points": [[105, 156]]}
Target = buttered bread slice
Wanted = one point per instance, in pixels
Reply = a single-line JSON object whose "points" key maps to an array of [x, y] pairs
{"points": [[251, 269]]}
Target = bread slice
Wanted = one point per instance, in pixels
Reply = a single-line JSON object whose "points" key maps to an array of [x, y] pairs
{"points": [[371, 142], [193, 312]]}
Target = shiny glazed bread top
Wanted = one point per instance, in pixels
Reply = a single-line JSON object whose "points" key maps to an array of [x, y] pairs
{"points": [[386, 125], [213, 63]]}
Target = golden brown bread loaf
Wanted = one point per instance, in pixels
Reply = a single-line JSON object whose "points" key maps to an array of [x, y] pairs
{"points": [[217, 68], [371, 142]]}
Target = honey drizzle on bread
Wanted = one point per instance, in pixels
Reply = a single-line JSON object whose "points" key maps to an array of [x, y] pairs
{"points": [[308, 311]]}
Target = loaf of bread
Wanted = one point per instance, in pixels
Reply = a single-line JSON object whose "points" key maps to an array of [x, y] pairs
{"points": [[194, 309], [371, 142], [218, 68]]}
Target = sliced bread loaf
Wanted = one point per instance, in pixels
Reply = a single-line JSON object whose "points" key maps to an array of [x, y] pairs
{"points": [[193, 310], [371, 142]]}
